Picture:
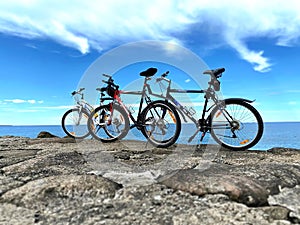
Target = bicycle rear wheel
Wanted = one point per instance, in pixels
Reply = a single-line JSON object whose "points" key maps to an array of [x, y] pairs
{"points": [[108, 123], [161, 124], [74, 123], [237, 126]]}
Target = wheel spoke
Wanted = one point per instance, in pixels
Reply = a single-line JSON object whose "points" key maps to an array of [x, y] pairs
{"points": [[238, 126], [161, 124], [110, 124]]}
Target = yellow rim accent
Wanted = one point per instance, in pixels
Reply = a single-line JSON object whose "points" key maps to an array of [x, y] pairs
{"points": [[218, 114], [93, 126], [105, 117], [244, 142], [172, 116], [149, 134]]}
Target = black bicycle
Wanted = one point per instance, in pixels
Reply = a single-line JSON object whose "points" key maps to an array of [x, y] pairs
{"points": [[159, 121], [233, 122]]}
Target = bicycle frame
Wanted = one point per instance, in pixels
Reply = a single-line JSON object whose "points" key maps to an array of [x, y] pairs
{"points": [[144, 98], [84, 105], [203, 124], [146, 87], [209, 94]]}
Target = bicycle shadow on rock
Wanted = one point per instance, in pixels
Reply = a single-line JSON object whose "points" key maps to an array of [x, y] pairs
{"points": [[138, 163]]}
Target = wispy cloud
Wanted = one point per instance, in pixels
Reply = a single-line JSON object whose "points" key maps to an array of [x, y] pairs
{"points": [[86, 25], [27, 110], [292, 103], [259, 62], [45, 108], [19, 101], [55, 107], [293, 91]]}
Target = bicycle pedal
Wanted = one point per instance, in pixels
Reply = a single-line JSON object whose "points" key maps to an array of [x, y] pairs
{"points": [[202, 136]]}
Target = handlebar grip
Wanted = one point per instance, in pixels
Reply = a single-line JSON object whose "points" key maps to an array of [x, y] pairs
{"points": [[106, 75], [103, 89], [165, 74]]}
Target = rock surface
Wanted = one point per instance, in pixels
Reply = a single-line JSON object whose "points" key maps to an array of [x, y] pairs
{"points": [[60, 181]]}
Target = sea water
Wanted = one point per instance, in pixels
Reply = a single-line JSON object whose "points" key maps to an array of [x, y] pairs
{"points": [[276, 134]]}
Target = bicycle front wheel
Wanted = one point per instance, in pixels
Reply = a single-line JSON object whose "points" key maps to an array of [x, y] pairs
{"points": [[74, 123], [108, 123], [161, 124], [236, 126]]}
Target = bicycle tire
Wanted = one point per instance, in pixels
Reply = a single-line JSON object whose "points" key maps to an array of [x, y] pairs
{"points": [[102, 118], [148, 121], [246, 125], [71, 127]]}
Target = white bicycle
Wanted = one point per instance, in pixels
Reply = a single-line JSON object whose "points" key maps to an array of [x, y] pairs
{"points": [[74, 121]]}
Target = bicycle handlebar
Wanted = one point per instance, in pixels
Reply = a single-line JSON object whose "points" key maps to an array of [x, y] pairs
{"points": [[78, 92], [163, 77], [111, 83], [215, 73]]}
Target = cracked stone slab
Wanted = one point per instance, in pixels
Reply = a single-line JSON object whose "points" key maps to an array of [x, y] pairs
{"points": [[289, 198]]}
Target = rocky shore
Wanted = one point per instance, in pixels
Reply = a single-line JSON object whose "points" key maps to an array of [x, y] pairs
{"points": [[61, 181]]}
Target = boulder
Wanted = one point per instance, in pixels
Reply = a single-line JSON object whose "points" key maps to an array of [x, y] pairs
{"points": [[250, 185], [46, 134]]}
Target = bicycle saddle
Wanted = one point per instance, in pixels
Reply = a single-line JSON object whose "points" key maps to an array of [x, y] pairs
{"points": [[149, 72], [215, 72]]}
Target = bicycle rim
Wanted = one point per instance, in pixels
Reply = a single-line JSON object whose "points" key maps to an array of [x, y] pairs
{"points": [[161, 124], [108, 125], [74, 123], [238, 126]]}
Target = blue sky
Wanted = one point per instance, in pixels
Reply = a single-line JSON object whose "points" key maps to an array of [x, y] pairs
{"points": [[46, 47]]}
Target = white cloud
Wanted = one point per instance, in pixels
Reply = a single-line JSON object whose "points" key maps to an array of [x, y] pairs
{"points": [[27, 110], [86, 25], [56, 107], [259, 62], [293, 91], [292, 103], [19, 101]]}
